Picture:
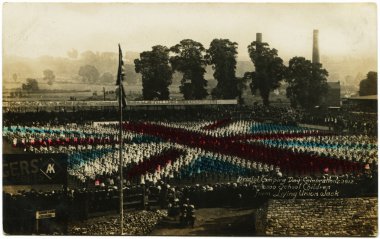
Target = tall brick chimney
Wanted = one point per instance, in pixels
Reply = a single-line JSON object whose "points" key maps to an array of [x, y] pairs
{"points": [[315, 47], [259, 37]]}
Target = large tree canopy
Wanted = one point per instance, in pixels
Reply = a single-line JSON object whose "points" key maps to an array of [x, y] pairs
{"points": [[107, 77], [49, 76], [156, 73], [222, 56], [269, 69], [31, 85], [368, 86], [307, 82], [89, 73], [189, 59]]}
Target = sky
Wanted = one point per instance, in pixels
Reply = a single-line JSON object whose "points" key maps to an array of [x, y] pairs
{"points": [[36, 29]]}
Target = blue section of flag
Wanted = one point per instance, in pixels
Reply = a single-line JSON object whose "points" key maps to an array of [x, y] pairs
{"points": [[272, 128]]}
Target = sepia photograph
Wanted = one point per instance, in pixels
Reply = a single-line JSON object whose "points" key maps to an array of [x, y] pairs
{"points": [[190, 119]]}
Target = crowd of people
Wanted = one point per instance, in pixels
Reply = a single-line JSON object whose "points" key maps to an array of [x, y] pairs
{"points": [[160, 150], [342, 121], [288, 160], [63, 117], [179, 200], [185, 212], [356, 148], [19, 211], [185, 159]]}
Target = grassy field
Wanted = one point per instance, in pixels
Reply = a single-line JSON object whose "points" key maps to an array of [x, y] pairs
{"points": [[81, 91]]}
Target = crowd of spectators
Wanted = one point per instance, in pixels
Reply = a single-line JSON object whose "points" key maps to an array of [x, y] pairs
{"points": [[19, 211], [180, 200], [342, 121]]}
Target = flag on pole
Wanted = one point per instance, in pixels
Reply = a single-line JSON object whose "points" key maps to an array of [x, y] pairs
{"points": [[120, 78], [122, 104]]}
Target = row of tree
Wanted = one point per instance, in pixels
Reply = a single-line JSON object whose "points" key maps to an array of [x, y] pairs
{"points": [[307, 82]]}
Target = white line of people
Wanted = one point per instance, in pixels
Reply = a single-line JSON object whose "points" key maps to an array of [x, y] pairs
{"points": [[239, 127], [359, 148]]}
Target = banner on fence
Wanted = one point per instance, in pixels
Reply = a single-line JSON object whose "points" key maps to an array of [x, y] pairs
{"points": [[32, 169]]}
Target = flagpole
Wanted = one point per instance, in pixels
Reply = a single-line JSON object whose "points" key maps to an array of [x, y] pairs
{"points": [[121, 147]]}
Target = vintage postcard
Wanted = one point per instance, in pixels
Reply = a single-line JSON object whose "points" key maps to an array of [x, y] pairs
{"points": [[190, 119]]}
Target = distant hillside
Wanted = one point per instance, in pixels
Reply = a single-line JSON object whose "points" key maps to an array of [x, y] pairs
{"points": [[349, 70], [66, 69]]}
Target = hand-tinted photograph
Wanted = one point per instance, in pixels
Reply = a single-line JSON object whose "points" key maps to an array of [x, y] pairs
{"points": [[190, 119]]}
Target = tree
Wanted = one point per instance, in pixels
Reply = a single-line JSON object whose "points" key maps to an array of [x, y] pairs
{"points": [[14, 77], [156, 73], [222, 56], [49, 76], [269, 69], [189, 60], [307, 82], [73, 53], [89, 57], [89, 73], [31, 85], [368, 86], [107, 77]]}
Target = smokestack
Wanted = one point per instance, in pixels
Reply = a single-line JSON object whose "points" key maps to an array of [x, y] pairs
{"points": [[259, 37], [315, 47]]}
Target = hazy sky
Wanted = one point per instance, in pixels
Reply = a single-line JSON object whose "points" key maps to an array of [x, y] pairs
{"points": [[35, 29]]}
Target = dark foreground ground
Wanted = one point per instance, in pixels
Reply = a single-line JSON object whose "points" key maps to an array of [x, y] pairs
{"points": [[212, 222], [138, 223], [209, 222]]}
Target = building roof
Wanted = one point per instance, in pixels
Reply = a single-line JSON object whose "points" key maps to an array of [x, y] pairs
{"points": [[366, 97]]}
